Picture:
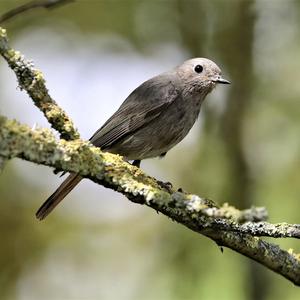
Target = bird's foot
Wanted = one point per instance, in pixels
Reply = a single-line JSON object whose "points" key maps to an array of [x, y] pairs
{"points": [[166, 185], [181, 190], [136, 163]]}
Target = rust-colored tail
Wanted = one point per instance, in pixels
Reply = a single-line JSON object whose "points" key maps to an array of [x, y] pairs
{"points": [[63, 190]]}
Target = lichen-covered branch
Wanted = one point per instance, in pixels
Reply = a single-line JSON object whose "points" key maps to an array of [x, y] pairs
{"points": [[221, 224], [226, 225], [31, 5], [32, 80]]}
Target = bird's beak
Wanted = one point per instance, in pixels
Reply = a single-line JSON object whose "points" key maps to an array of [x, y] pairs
{"points": [[220, 79]]}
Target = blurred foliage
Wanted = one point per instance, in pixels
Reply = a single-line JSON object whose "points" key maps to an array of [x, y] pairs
{"points": [[248, 154]]}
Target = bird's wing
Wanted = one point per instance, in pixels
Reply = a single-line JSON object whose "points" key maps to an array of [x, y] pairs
{"points": [[142, 106]]}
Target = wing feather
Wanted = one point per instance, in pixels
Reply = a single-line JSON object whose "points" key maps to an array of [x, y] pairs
{"points": [[142, 106]]}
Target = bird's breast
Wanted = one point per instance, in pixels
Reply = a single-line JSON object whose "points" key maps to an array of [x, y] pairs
{"points": [[162, 133]]}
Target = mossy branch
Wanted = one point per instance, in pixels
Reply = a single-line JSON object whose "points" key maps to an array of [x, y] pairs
{"points": [[32, 81], [226, 225], [221, 224]]}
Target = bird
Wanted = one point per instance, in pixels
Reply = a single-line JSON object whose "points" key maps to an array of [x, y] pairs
{"points": [[155, 117]]}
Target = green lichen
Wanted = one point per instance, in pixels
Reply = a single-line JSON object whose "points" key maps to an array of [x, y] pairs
{"points": [[32, 80], [3, 40], [3, 33], [131, 180], [296, 255], [195, 203], [41, 146]]}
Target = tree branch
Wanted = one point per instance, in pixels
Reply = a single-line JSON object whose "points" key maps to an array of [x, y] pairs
{"points": [[32, 5], [227, 226], [32, 81], [201, 215]]}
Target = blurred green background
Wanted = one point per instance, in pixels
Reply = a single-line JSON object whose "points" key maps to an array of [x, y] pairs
{"points": [[245, 149]]}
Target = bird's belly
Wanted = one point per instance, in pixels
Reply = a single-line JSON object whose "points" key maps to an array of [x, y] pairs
{"points": [[158, 137]]}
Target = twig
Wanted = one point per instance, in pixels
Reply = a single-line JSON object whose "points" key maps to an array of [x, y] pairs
{"points": [[32, 81], [32, 5], [253, 214]]}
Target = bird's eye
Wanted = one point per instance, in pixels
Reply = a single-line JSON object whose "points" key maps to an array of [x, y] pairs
{"points": [[198, 69]]}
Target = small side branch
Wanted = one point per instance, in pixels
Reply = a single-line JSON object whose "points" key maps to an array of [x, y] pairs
{"points": [[30, 6], [286, 263], [32, 81], [253, 214]]}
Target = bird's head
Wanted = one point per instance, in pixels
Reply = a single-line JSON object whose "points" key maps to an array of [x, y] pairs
{"points": [[200, 75]]}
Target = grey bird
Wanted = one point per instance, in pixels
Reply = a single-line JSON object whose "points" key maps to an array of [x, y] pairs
{"points": [[153, 119]]}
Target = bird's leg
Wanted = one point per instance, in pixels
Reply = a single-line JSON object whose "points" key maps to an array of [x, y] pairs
{"points": [[163, 155], [166, 185], [136, 163]]}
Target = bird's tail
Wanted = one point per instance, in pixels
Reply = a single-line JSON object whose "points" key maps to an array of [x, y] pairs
{"points": [[63, 190]]}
